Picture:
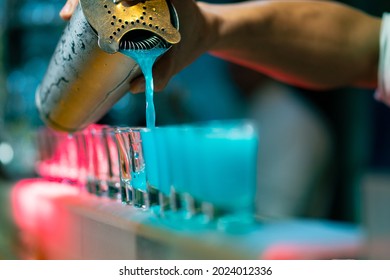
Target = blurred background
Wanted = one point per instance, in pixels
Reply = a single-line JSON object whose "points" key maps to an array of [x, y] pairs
{"points": [[316, 148]]}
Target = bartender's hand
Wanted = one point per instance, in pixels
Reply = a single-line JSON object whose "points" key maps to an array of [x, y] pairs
{"points": [[68, 9]]}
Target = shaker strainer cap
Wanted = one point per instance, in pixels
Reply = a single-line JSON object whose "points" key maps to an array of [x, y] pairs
{"points": [[138, 25]]}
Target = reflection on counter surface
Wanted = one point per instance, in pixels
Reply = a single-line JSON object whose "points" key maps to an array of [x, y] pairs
{"points": [[62, 223], [319, 188]]}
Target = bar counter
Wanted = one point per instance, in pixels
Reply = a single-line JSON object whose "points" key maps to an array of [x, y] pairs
{"points": [[58, 221]]}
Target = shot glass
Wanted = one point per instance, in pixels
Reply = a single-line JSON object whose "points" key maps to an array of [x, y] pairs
{"points": [[94, 159], [58, 159], [104, 162], [151, 166], [173, 145], [113, 175], [83, 155], [182, 148], [227, 166], [163, 170], [45, 153], [67, 149], [132, 167], [57, 156]]}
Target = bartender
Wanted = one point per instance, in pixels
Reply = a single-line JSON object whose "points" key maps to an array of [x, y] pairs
{"points": [[311, 44]]}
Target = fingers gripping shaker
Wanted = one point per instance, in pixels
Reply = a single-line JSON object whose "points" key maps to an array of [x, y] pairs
{"points": [[87, 74]]}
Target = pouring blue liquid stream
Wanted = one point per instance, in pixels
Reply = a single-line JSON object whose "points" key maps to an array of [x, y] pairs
{"points": [[146, 60]]}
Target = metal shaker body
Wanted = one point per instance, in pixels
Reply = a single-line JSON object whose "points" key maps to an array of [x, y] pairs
{"points": [[82, 81]]}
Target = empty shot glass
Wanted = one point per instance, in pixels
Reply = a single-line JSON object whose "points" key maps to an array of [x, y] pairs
{"points": [[132, 167], [57, 156], [95, 160], [83, 160], [45, 153], [113, 176], [105, 161], [69, 159]]}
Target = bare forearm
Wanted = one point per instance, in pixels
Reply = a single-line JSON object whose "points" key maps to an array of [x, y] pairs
{"points": [[314, 44]]}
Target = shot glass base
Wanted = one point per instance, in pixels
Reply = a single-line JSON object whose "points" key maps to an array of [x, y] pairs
{"points": [[153, 195], [91, 186], [114, 191], [164, 205], [175, 201], [191, 206], [237, 223], [126, 193], [141, 199]]}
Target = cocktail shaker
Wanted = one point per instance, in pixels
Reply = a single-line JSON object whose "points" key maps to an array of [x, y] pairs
{"points": [[87, 73]]}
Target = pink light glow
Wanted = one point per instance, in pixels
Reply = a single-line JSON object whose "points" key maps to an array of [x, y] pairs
{"points": [[291, 251], [33, 199]]}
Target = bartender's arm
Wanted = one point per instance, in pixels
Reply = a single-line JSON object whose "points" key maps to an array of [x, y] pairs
{"points": [[312, 44]]}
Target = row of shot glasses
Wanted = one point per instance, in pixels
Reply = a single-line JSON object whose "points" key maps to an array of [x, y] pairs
{"points": [[203, 171]]}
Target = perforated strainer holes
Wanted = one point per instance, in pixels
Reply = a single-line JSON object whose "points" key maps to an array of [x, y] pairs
{"points": [[144, 17], [146, 20], [112, 23], [114, 18]]}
